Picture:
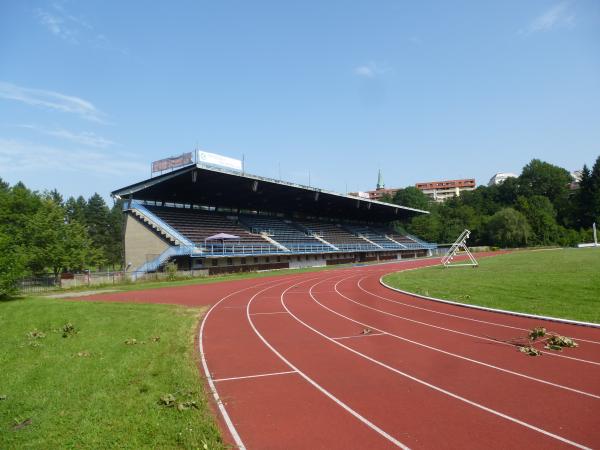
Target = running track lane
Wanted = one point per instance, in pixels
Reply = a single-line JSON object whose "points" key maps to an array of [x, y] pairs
{"points": [[377, 391], [344, 397]]}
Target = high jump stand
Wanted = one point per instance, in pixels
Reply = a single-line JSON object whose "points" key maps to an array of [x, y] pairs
{"points": [[460, 244]]}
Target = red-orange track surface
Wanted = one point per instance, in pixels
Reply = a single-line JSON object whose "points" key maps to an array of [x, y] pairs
{"points": [[289, 367]]}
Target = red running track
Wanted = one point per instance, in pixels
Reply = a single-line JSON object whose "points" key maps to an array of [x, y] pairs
{"points": [[289, 368]]}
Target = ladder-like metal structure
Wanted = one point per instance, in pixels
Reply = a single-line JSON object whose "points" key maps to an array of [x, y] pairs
{"points": [[460, 244]]}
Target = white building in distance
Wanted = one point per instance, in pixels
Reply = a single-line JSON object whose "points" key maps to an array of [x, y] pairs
{"points": [[500, 177]]}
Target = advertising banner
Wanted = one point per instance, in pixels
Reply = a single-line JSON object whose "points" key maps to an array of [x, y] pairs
{"points": [[218, 160], [172, 162]]}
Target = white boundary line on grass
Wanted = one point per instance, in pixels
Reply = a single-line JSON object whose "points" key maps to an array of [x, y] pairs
{"points": [[485, 308]]}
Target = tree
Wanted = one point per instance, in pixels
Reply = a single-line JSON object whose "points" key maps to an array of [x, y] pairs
{"points": [[595, 192], [75, 209], [541, 178], [427, 226], [56, 244], [12, 265], [17, 205], [98, 223], [541, 216], [115, 250], [508, 228], [412, 198]]}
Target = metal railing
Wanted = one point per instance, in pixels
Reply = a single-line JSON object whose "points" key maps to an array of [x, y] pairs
{"points": [[133, 204]]}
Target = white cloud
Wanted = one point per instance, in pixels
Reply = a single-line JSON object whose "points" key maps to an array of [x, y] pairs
{"points": [[559, 15], [22, 156], [56, 25], [73, 29], [51, 100], [87, 138], [369, 70]]}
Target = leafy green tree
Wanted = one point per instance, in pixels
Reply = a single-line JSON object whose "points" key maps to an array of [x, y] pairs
{"points": [[427, 226], [17, 205], [541, 217], [412, 198], [542, 178], [508, 228], [56, 244], [12, 265]]}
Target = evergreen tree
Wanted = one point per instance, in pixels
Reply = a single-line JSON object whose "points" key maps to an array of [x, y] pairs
{"points": [[595, 193], [75, 209], [98, 223]]}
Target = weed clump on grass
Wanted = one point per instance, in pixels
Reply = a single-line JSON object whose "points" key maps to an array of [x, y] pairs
{"points": [[36, 334], [170, 401], [68, 329]]}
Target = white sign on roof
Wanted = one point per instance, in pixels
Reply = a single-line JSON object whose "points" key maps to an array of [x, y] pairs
{"points": [[218, 160]]}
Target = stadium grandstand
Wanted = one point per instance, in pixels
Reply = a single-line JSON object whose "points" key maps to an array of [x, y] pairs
{"points": [[205, 216]]}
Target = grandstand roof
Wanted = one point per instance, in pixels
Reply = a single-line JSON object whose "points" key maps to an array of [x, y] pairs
{"points": [[210, 186]]}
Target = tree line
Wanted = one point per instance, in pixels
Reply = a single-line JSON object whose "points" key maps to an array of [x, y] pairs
{"points": [[540, 207], [41, 233]]}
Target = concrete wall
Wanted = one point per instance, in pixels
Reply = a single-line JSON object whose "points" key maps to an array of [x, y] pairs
{"points": [[142, 244], [307, 261]]}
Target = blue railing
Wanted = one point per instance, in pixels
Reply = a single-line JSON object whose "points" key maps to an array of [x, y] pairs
{"points": [[154, 265], [159, 222]]}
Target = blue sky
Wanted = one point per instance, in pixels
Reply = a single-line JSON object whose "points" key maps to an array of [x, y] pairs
{"points": [[92, 91]]}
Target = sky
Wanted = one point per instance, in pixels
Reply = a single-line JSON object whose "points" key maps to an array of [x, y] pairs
{"points": [[92, 91]]}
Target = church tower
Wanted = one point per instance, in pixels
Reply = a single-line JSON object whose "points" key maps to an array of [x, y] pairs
{"points": [[380, 183]]}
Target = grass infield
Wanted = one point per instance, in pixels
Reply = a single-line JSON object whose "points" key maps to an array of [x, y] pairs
{"points": [[91, 389], [562, 283]]}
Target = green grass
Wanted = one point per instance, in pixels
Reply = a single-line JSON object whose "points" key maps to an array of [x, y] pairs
{"points": [[142, 285], [91, 390], [561, 283]]}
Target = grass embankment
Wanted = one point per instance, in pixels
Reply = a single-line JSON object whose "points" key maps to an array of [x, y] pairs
{"points": [[561, 283], [91, 389]]}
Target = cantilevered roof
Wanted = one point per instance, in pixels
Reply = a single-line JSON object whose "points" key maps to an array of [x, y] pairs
{"points": [[210, 186]]}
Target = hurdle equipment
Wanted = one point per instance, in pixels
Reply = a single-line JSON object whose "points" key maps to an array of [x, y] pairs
{"points": [[460, 245]]}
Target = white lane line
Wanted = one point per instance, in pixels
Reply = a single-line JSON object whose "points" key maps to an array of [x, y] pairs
{"points": [[359, 336], [450, 330], [234, 434], [260, 375], [363, 419], [432, 386], [480, 308], [436, 349], [265, 313]]}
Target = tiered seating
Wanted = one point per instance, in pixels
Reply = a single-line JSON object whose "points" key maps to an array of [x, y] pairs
{"points": [[284, 233], [407, 241], [297, 237], [197, 225], [374, 236], [336, 235]]}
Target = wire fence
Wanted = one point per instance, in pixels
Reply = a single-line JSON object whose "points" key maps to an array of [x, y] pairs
{"points": [[48, 282]]}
